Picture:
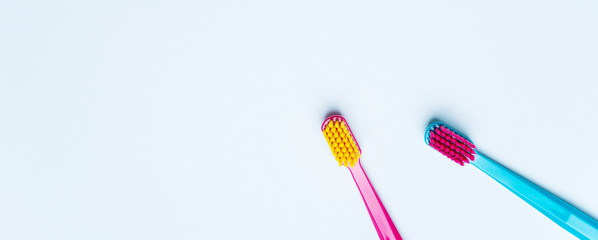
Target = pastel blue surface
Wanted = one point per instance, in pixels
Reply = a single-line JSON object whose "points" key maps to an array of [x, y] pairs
{"points": [[186, 119]]}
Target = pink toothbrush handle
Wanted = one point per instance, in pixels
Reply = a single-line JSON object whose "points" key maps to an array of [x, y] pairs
{"points": [[382, 222]]}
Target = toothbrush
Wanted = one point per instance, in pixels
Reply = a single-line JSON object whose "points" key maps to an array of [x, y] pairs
{"points": [[461, 150], [347, 153]]}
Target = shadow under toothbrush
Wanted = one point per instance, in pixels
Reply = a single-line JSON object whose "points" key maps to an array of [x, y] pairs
{"points": [[332, 112]]}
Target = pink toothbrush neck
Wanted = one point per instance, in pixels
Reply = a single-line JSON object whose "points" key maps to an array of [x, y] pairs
{"points": [[382, 221]]}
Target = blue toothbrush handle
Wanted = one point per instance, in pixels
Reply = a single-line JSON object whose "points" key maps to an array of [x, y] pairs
{"points": [[568, 217]]}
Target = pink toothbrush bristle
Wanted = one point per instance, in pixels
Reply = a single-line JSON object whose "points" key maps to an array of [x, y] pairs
{"points": [[456, 136], [451, 144]]}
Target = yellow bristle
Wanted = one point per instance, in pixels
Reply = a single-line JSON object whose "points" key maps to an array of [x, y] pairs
{"points": [[342, 144]]}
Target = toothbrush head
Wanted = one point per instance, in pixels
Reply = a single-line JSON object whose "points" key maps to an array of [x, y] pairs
{"points": [[341, 141], [450, 143]]}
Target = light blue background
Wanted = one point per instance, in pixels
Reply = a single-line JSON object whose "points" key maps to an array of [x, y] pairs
{"points": [[200, 119]]}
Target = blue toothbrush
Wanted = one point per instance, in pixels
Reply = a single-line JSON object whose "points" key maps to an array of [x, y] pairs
{"points": [[461, 150]]}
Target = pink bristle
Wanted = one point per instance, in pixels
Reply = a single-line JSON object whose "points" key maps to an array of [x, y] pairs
{"points": [[457, 136], [468, 150], [464, 159], [451, 144]]}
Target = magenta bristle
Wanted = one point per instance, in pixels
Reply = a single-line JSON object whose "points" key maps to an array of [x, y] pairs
{"points": [[451, 144], [456, 136]]}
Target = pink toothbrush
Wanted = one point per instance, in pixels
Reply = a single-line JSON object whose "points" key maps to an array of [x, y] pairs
{"points": [[345, 149]]}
